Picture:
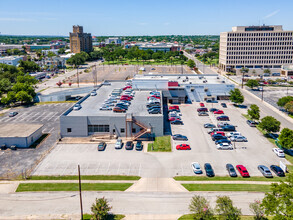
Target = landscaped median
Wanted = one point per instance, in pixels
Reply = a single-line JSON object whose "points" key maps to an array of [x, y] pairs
{"points": [[85, 177], [161, 144], [243, 217], [34, 187]]}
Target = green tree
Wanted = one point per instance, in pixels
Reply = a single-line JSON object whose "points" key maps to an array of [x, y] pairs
{"points": [[279, 202], [61, 51], [200, 209], [251, 83], [284, 100], [267, 71], [289, 107], [190, 63], [100, 209], [23, 97], [257, 210], [253, 112], [28, 66], [236, 96], [286, 138], [5, 85], [270, 124], [226, 210], [51, 54]]}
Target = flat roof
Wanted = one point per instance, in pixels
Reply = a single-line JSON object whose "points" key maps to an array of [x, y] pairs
{"points": [[18, 130], [91, 105]]}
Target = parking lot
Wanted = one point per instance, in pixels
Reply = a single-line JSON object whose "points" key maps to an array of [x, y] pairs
{"points": [[63, 160], [15, 162]]}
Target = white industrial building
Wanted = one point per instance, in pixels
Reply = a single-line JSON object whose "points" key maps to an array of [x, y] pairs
{"points": [[11, 60]]}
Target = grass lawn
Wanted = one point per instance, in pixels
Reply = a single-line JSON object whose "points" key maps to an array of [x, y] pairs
{"points": [[109, 217], [161, 144], [243, 217], [85, 177], [227, 178], [140, 62], [228, 187], [29, 187]]}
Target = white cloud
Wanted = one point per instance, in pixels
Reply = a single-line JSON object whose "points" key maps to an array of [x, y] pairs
{"points": [[272, 14], [16, 19]]}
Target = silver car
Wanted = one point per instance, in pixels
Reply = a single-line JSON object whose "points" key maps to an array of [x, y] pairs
{"points": [[118, 144], [265, 171], [239, 138]]}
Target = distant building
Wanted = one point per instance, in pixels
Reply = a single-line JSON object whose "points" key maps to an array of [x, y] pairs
{"points": [[255, 47], [4, 47], [55, 51], [113, 40], [80, 41], [165, 47], [11, 60], [37, 47], [287, 71]]}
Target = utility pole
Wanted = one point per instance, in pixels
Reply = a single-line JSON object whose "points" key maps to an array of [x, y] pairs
{"points": [[80, 198], [262, 93], [77, 78]]}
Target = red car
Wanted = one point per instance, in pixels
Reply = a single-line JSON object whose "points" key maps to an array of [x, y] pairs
{"points": [[218, 132], [201, 104], [219, 112], [242, 170], [183, 147], [174, 107], [117, 109], [125, 98], [153, 96], [173, 119], [127, 87]]}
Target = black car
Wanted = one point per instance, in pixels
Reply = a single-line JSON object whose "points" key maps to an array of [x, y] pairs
{"points": [[129, 145], [277, 170], [154, 107], [216, 137], [223, 118], [209, 170], [180, 137], [213, 109], [209, 125], [202, 110], [138, 145], [153, 104], [229, 128], [101, 146], [177, 122], [251, 123], [224, 105], [155, 111], [231, 170], [220, 141]]}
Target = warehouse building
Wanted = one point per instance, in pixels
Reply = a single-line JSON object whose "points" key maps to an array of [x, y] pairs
{"points": [[20, 135]]}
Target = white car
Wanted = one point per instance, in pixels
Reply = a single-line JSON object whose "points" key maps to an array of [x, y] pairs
{"points": [[76, 107], [196, 168], [279, 152], [105, 108], [224, 146], [118, 144], [233, 134], [93, 93]]}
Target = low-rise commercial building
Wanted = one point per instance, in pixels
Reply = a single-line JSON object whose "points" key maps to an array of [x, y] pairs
{"points": [[11, 60], [113, 40], [20, 135]]}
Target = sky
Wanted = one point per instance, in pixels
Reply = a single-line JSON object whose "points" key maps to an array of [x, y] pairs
{"points": [[130, 17]]}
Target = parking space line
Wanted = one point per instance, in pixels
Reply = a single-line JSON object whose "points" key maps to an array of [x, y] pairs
{"points": [[55, 113], [118, 168], [51, 130], [139, 169], [108, 167], [129, 169], [97, 170]]}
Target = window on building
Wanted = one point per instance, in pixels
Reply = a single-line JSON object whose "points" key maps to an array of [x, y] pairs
{"points": [[98, 128], [122, 130], [69, 130], [133, 130]]}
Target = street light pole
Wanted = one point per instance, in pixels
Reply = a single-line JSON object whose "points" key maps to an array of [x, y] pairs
{"points": [[80, 198], [262, 93]]}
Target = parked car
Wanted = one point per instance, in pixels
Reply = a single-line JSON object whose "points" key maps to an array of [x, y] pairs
{"points": [[129, 145], [209, 170], [196, 168], [139, 145], [118, 144], [12, 114], [265, 171], [105, 108], [209, 125], [277, 170], [218, 137], [213, 109], [214, 129], [233, 134], [183, 147], [127, 87], [179, 137], [229, 128], [174, 107], [177, 122], [155, 111], [251, 123], [101, 146], [223, 118], [93, 93], [242, 170], [76, 107], [238, 138], [118, 109], [218, 132], [224, 146], [231, 170], [274, 136], [219, 112], [13, 147], [222, 124], [203, 114], [123, 106], [202, 110], [154, 96], [223, 105], [153, 104], [201, 104], [279, 152], [220, 141]]}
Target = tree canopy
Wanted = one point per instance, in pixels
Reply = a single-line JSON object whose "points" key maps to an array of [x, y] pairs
{"points": [[254, 112], [190, 63], [28, 66], [284, 100], [270, 124], [286, 138], [236, 96], [251, 83]]}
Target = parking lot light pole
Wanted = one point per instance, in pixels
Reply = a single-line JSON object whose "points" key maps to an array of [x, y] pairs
{"points": [[262, 93], [80, 198]]}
